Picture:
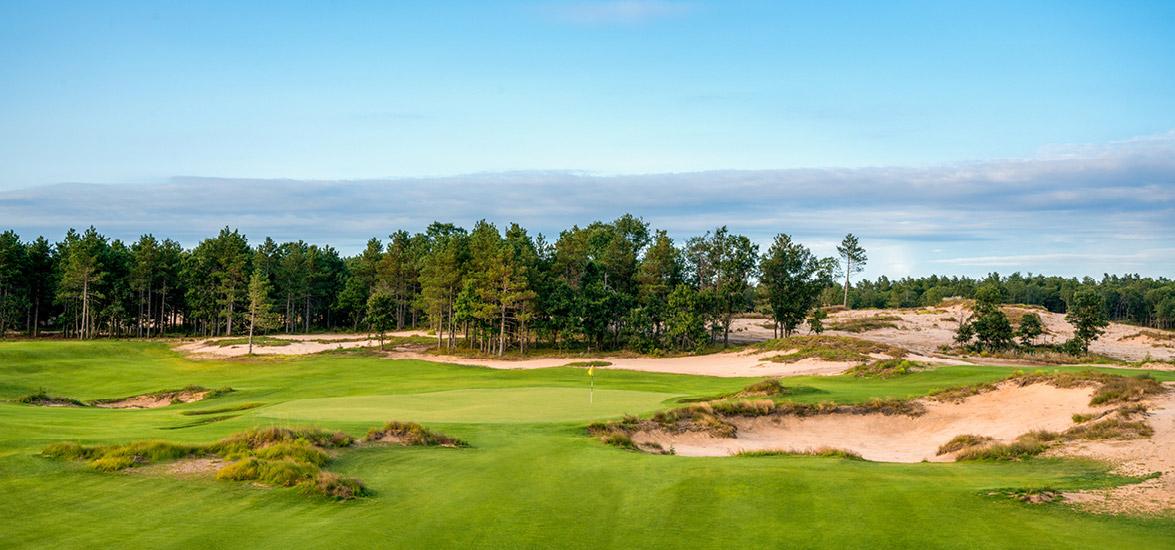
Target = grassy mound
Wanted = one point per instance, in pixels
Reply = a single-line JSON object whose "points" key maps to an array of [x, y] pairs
{"points": [[827, 348], [412, 434], [282, 457], [886, 368], [766, 388]]}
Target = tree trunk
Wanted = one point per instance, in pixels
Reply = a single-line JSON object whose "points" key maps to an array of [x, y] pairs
{"points": [[848, 269]]}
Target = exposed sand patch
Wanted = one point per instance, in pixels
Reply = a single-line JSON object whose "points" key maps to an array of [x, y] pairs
{"points": [[302, 344], [153, 401], [1003, 414], [923, 330], [728, 364], [1135, 457]]}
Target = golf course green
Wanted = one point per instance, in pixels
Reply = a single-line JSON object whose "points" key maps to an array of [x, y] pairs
{"points": [[531, 477]]}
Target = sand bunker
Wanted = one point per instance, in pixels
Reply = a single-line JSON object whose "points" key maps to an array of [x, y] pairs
{"points": [[1134, 457], [154, 400], [1003, 414]]}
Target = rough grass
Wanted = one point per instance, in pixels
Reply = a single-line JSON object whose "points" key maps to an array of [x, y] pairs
{"points": [[766, 388], [886, 368], [826, 452], [827, 348], [1115, 427], [960, 442], [412, 434], [588, 364], [1025, 446], [258, 341], [864, 324], [282, 457]]}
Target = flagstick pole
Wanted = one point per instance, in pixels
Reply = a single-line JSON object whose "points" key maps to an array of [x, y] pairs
{"points": [[592, 392]]}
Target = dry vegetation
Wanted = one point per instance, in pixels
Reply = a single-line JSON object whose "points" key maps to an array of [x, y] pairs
{"points": [[828, 348]]}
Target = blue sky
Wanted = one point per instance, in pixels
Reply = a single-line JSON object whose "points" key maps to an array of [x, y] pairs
{"points": [[142, 93]]}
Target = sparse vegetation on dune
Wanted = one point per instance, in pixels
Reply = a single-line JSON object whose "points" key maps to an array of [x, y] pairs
{"points": [[864, 324], [828, 348], [960, 442]]}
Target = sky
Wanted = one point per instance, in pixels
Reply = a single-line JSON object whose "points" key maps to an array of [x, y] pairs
{"points": [[952, 137]]}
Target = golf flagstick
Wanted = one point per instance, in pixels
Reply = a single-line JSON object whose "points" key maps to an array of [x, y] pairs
{"points": [[592, 385]]}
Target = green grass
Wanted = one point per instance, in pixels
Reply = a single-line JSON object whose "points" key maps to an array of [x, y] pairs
{"points": [[258, 341], [531, 477]]}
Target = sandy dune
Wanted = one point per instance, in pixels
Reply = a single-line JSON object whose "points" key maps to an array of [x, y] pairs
{"points": [[923, 330], [1003, 415], [1135, 457], [302, 344]]}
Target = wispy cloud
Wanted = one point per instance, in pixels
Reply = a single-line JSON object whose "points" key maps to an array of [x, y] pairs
{"points": [[607, 12], [1110, 210]]}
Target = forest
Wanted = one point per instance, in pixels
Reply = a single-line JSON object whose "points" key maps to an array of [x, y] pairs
{"points": [[607, 285]]}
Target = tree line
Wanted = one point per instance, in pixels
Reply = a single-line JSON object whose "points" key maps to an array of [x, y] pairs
{"points": [[603, 286], [1131, 299]]}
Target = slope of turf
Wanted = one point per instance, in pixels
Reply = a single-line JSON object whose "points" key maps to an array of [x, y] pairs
{"points": [[531, 478]]}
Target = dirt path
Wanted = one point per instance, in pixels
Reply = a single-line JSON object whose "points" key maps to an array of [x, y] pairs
{"points": [[1002, 414]]}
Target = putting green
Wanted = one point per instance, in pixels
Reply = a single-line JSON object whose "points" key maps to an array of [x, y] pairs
{"points": [[541, 404]]}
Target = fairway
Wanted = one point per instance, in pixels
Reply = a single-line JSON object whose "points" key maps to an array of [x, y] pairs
{"points": [[531, 477], [474, 406]]}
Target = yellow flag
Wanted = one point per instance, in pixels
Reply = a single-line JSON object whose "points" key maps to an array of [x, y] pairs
{"points": [[591, 371]]}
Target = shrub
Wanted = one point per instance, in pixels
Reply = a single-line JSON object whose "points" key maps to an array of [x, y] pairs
{"points": [[960, 442]]}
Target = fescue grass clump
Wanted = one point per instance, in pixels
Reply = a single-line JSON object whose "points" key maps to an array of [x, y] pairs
{"points": [[110, 458], [765, 388], [332, 485], [824, 452], [1025, 446], [960, 442], [412, 434], [256, 438], [1111, 428]]}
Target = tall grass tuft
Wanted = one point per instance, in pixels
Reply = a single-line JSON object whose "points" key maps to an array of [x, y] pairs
{"points": [[412, 434]]}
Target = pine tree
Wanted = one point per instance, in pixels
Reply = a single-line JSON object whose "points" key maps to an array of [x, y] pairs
{"points": [[852, 258]]}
